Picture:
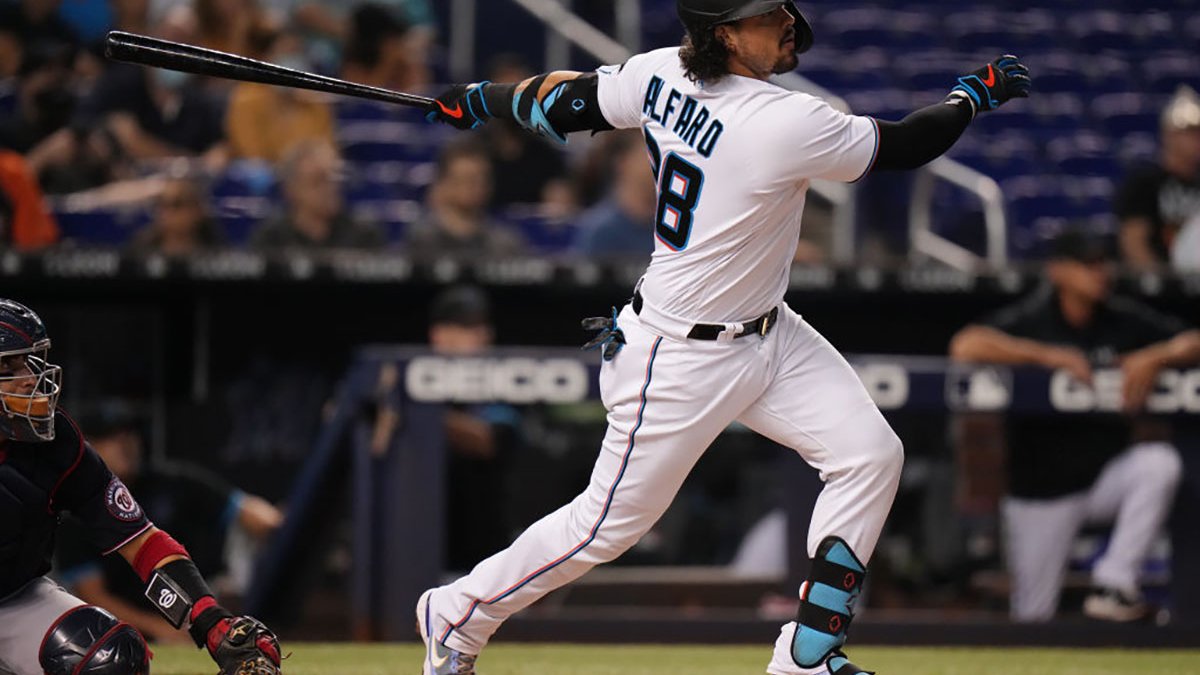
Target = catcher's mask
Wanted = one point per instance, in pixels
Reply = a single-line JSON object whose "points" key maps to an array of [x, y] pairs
{"points": [[29, 383], [700, 15]]}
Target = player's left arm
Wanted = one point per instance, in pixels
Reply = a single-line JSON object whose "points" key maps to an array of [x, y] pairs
{"points": [[929, 132], [238, 644], [551, 105]]}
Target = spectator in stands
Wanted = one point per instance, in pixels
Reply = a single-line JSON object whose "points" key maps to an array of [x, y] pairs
{"points": [[201, 509], [24, 222], [314, 215], [44, 101], [141, 113], [336, 32], [623, 222], [1157, 200], [456, 220], [37, 22], [481, 439], [11, 47], [181, 224], [1066, 471], [263, 121], [378, 51], [231, 25], [526, 168]]}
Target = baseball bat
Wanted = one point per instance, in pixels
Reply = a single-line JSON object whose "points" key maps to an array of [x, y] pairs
{"points": [[148, 51]]}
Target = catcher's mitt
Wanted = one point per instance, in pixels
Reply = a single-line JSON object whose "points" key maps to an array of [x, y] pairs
{"points": [[244, 646]]}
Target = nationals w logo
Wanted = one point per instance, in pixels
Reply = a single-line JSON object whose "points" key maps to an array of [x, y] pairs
{"points": [[166, 598]]}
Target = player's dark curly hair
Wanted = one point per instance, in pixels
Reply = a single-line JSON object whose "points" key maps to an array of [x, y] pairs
{"points": [[705, 57]]}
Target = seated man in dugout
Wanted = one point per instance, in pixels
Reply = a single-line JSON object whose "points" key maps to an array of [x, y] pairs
{"points": [[1067, 471]]}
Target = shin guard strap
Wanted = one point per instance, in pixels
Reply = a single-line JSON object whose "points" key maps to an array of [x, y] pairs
{"points": [[838, 664]]}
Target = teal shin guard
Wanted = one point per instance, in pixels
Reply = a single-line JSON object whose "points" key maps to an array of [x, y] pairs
{"points": [[826, 606]]}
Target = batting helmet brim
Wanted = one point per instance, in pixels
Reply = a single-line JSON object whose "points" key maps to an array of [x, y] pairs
{"points": [[701, 18]]}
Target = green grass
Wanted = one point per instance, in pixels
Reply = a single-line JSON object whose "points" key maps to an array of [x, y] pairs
{"points": [[520, 659]]}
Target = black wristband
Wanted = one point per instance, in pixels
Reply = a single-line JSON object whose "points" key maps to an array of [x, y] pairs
{"points": [[204, 623], [175, 588], [499, 99]]}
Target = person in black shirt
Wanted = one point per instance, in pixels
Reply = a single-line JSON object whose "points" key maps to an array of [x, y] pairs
{"points": [[1155, 201], [1065, 471], [199, 509], [481, 439], [47, 469]]}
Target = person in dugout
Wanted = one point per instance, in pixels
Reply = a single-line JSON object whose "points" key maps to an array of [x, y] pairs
{"points": [[47, 468]]}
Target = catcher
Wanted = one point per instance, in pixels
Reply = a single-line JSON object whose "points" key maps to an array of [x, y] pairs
{"points": [[46, 468]]}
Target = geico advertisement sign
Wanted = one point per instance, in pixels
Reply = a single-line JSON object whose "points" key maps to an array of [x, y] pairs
{"points": [[1174, 392], [887, 384], [513, 380]]}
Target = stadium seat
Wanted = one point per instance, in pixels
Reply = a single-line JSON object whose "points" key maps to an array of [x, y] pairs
{"points": [[1124, 113]]}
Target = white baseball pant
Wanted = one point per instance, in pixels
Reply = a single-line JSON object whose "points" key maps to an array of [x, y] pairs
{"points": [[667, 399], [25, 616], [1134, 492]]}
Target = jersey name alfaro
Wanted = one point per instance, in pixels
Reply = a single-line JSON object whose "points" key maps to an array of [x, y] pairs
{"points": [[732, 160], [692, 118]]}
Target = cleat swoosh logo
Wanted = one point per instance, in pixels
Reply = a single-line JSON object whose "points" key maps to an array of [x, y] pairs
{"points": [[457, 113], [988, 82], [438, 659]]}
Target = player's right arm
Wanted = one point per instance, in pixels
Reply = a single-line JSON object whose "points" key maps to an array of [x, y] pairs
{"points": [[551, 105]]}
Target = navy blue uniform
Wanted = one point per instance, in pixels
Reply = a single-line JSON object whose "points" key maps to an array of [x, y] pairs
{"points": [[38, 483]]}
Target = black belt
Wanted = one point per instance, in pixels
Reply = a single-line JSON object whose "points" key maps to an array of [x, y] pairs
{"points": [[711, 331]]}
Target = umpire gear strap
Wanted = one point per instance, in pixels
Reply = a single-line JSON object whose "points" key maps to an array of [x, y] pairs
{"points": [[827, 603]]}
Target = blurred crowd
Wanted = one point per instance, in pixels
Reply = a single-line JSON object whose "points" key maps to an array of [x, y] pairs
{"points": [[98, 153]]}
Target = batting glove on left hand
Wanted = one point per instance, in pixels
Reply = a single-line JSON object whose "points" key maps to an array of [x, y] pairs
{"points": [[461, 106], [997, 82]]}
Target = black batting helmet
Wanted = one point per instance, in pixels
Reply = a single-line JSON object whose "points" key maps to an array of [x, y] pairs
{"points": [[698, 15]]}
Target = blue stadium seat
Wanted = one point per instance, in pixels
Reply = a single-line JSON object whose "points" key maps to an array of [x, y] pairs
{"points": [[1101, 29], [238, 215], [1084, 154], [106, 227], [1166, 71], [1125, 113]]}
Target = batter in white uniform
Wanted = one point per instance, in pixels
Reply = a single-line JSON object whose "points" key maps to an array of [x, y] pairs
{"points": [[707, 339]]}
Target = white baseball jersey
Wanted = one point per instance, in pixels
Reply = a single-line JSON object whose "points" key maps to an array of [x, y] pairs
{"points": [[733, 161]]}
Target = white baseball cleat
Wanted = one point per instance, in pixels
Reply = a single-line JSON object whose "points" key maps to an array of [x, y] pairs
{"points": [[439, 659], [1111, 604]]}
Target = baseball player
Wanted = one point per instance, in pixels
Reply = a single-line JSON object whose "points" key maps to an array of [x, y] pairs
{"points": [[707, 339], [47, 467]]}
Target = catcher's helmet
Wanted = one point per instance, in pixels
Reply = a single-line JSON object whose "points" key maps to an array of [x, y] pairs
{"points": [[698, 15], [29, 383]]}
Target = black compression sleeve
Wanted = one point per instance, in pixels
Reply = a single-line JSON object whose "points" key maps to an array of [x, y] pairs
{"points": [[576, 104], [577, 108], [922, 136]]}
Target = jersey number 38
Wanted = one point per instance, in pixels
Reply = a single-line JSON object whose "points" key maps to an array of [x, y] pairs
{"points": [[679, 186]]}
